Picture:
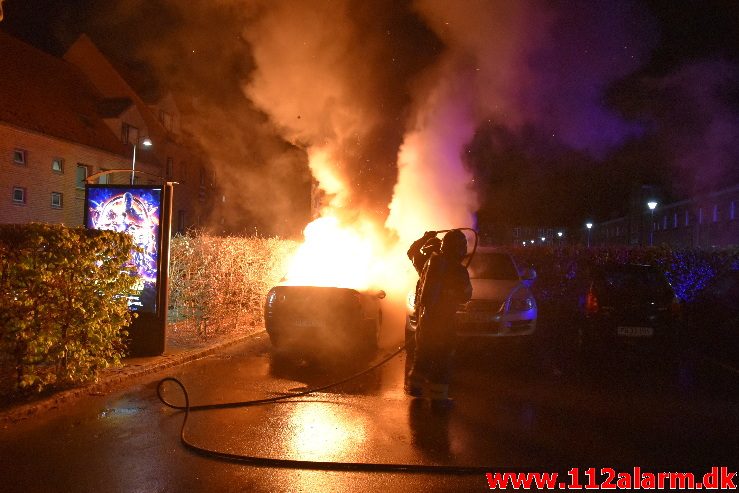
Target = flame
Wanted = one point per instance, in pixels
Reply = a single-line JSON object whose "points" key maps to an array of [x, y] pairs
{"points": [[335, 254]]}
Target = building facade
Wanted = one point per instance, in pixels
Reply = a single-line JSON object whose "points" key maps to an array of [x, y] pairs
{"points": [[704, 221], [65, 119]]}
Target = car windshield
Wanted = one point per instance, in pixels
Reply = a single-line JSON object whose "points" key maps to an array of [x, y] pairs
{"points": [[493, 266], [635, 280]]}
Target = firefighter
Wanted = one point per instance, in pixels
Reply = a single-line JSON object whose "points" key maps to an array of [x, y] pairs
{"points": [[444, 285], [421, 249], [419, 253]]}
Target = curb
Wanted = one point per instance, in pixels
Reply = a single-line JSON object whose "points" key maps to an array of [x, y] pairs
{"points": [[116, 376]]}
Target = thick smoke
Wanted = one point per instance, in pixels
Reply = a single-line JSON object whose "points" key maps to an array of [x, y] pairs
{"points": [[699, 101], [382, 98]]}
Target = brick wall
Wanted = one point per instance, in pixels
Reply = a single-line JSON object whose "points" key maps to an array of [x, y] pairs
{"points": [[39, 180]]}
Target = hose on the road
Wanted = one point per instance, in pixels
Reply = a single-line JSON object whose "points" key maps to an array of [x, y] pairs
{"points": [[296, 463]]}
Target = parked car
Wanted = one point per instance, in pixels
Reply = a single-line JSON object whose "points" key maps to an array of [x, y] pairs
{"points": [[314, 318], [502, 304], [627, 303], [713, 316]]}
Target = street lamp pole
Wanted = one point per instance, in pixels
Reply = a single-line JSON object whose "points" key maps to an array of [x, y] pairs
{"points": [[589, 226], [652, 205], [146, 143]]}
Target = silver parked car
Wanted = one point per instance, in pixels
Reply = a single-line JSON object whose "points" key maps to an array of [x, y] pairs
{"points": [[502, 303]]}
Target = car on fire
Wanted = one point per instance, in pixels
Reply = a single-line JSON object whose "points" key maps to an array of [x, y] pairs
{"points": [[629, 304], [318, 317], [502, 304]]}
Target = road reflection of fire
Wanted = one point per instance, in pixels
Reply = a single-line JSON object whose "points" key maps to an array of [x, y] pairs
{"points": [[319, 432]]}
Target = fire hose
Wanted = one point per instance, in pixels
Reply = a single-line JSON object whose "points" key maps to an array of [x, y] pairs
{"points": [[297, 463], [304, 464]]}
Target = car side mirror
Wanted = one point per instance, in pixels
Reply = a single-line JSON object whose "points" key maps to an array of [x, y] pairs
{"points": [[528, 275], [381, 294]]}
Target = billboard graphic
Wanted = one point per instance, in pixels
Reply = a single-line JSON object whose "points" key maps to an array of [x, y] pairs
{"points": [[135, 210]]}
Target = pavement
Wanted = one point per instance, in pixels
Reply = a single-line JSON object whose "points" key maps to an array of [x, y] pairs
{"points": [[177, 353]]}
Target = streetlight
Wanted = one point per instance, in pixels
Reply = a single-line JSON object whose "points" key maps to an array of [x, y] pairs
{"points": [[589, 226], [652, 204], [146, 143]]}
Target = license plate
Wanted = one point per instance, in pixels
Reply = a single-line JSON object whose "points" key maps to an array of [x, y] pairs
{"points": [[475, 317], [635, 331], [303, 322]]}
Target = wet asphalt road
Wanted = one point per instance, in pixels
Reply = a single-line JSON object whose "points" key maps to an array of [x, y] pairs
{"points": [[516, 409]]}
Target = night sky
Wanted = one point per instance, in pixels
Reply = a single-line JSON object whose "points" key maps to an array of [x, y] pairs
{"points": [[591, 97]]}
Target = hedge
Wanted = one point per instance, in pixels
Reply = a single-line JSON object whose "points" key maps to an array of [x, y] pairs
{"points": [[219, 283], [63, 304]]}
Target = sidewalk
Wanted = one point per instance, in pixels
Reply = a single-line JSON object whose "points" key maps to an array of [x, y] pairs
{"points": [[181, 347]]}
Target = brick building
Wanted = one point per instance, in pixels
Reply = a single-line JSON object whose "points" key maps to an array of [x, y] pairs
{"points": [[64, 119]]}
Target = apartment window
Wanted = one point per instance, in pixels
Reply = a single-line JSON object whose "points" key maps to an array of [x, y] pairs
{"points": [[700, 215], [56, 200], [166, 119], [674, 220], [687, 218], [19, 156], [715, 214], [19, 195], [181, 221], [104, 179], [129, 134], [169, 172], [57, 165], [732, 211], [183, 172], [82, 171]]}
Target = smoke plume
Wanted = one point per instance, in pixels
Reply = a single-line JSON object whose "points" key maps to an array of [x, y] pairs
{"points": [[381, 99]]}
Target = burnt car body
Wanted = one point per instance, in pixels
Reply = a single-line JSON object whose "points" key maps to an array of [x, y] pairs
{"points": [[502, 304], [629, 304], [316, 317]]}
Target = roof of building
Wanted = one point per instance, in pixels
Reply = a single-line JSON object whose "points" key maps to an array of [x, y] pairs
{"points": [[45, 94]]}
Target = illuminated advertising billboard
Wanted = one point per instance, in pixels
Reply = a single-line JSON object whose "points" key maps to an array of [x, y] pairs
{"points": [[136, 210]]}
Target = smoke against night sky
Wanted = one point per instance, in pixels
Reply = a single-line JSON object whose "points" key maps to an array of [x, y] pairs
{"points": [[386, 100]]}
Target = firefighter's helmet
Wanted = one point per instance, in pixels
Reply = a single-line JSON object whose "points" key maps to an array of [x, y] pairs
{"points": [[454, 244]]}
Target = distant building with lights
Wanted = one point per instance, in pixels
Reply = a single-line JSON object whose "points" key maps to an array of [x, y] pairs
{"points": [[65, 119], [708, 220]]}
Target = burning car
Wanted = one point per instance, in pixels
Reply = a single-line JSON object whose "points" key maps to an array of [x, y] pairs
{"points": [[325, 317]]}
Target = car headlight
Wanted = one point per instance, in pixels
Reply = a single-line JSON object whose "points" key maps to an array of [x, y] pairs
{"points": [[521, 301]]}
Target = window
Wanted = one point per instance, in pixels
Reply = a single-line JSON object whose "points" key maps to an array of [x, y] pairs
{"points": [[105, 179], [57, 165], [732, 211], [700, 215], [181, 221], [687, 218], [715, 216], [674, 220], [56, 200], [183, 172], [166, 120], [169, 172], [19, 195], [82, 170], [129, 134], [19, 156]]}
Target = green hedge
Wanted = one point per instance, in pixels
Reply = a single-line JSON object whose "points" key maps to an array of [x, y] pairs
{"points": [[63, 304]]}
